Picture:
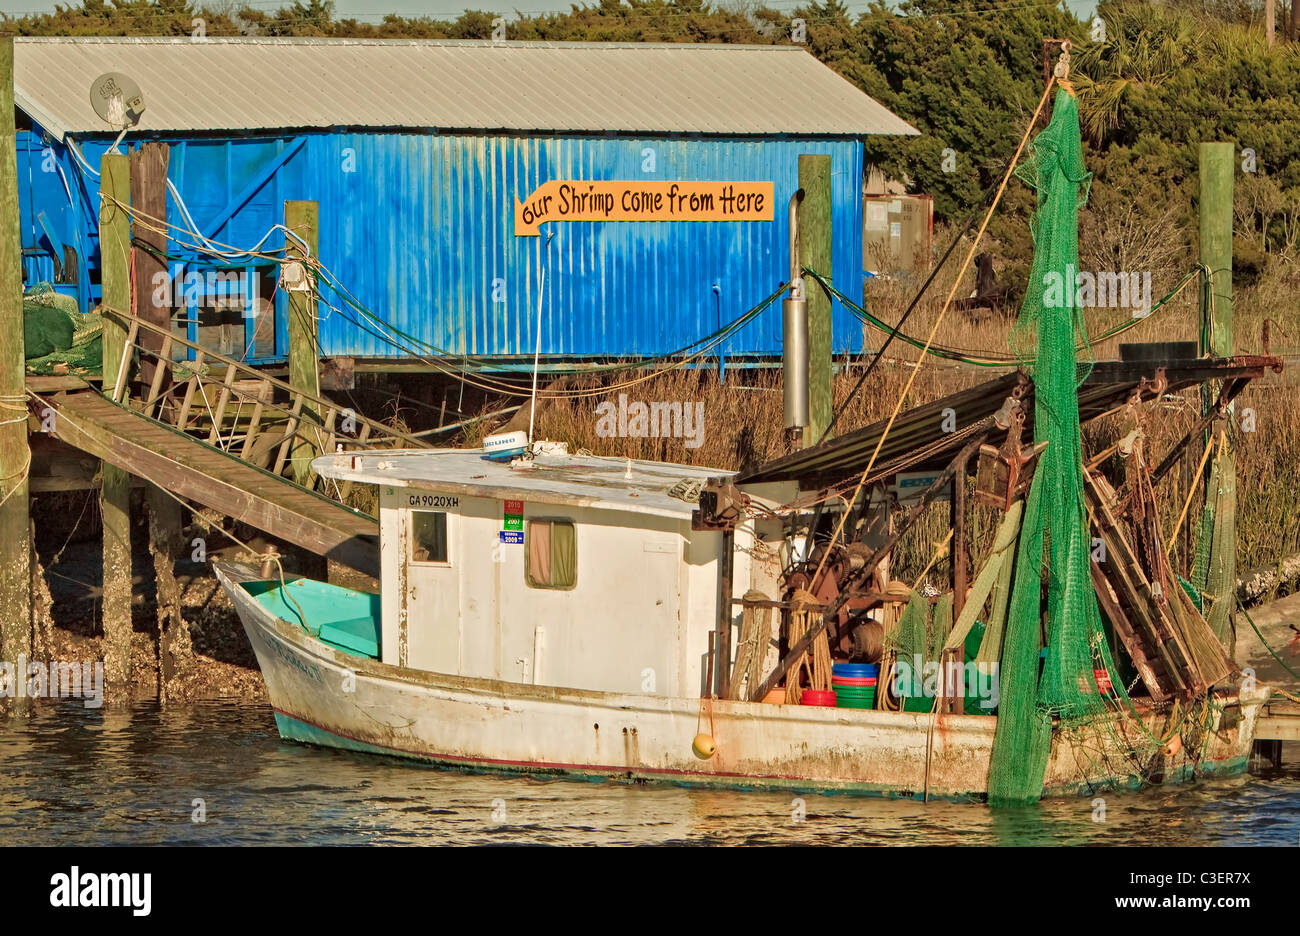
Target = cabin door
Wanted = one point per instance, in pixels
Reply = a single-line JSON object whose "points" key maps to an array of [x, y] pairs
{"points": [[432, 626]]}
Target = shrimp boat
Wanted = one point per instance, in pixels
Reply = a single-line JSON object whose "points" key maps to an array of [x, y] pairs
{"points": [[583, 616], [550, 613]]}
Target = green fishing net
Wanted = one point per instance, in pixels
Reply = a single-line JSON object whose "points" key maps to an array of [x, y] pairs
{"points": [[56, 336], [1052, 601], [940, 626], [911, 639]]}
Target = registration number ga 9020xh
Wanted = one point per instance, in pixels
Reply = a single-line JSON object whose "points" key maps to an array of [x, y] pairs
{"points": [[432, 500]]}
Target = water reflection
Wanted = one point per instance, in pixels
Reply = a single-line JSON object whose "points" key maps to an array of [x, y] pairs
{"points": [[133, 776]]}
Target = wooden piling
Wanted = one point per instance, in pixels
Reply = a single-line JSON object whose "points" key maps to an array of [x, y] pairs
{"points": [[15, 455], [303, 219], [149, 197], [957, 513], [1217, 165], [814, 215], [115, 490], [175, 651], [1219, 531], [150, 243]]}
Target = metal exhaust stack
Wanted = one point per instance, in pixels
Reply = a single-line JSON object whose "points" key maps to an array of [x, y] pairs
{"points": [[794, 339]]}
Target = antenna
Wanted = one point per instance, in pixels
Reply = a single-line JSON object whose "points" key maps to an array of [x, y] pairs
{"points": [[118, 101]]}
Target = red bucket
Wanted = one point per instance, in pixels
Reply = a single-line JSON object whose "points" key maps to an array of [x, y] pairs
{"points": [[821, 697]]}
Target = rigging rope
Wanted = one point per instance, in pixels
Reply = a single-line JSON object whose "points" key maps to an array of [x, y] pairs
{"points": [[980, 358]]}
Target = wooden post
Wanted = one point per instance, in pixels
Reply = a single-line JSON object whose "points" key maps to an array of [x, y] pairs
{"points": [[15, 456], [303, 218], [114, 259], [814, 214], [149, 197], [722, 644], [115, 489], [958, 549], [175, 651], [1217, 164], [1217, 167], [1270, 21]]}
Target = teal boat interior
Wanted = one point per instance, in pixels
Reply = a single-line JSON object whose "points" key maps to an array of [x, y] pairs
{"points": [[342, 617]]}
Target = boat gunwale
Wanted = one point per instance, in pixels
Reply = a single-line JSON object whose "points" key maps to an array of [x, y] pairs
{"points": [[296, 636]]}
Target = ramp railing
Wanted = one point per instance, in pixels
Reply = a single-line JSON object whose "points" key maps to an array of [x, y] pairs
{"points": [[236, 407]]}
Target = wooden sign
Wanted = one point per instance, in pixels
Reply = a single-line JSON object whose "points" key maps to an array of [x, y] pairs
{"points": [[611, 200]]}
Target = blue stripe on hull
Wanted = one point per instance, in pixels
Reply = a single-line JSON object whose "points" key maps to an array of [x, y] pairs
{"points": [[291, 729]]}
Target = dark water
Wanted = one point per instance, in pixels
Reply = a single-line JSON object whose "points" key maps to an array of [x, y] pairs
{"points": [[130, 776]]}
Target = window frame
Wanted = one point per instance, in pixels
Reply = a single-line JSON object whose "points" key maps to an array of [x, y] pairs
{"points": [[528, 571], [410, 552]]}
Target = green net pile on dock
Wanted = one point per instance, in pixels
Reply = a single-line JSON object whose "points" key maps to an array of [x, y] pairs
{"points": [[58, 338], [1052, 590]]}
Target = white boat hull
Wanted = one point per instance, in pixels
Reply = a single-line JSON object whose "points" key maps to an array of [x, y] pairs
{"points": [[323, 696]]}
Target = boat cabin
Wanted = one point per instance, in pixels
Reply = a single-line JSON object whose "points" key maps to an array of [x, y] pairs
{"points": [[578, 571]]}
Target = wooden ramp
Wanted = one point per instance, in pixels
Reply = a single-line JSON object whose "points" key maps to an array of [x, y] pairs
{"points": [[1276, 630], [1279, 721], [202, 473]]}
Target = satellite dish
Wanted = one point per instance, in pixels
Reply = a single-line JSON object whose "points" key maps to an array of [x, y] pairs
{"points": [[118, 101]]}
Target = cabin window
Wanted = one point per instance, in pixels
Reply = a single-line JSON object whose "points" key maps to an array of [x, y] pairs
{"points": [[552, 547], [429, 536]]}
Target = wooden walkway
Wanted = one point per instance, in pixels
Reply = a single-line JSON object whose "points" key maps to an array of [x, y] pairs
{"points": [[207, 475], [223, 434], [1279, 721], [1278, 624]]}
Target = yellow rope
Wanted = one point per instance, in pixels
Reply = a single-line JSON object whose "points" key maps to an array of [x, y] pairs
{"points": [[18, 479], [938, 554], [1191, 491], [817, 661]]}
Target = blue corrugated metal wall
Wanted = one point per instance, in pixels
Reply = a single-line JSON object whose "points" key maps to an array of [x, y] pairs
{"points": [[420, 228]]}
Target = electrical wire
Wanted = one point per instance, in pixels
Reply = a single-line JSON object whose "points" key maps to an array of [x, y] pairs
{"points": [[981, 358], [413, 346]]}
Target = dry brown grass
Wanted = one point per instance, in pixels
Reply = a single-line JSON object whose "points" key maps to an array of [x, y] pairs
{"points": [[743, 413]]}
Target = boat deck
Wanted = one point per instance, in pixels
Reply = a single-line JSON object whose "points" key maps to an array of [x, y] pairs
{"points": [[341, 617]]}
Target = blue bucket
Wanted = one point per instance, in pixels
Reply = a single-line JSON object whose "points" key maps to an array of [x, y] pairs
{"points": [[856, 670]]}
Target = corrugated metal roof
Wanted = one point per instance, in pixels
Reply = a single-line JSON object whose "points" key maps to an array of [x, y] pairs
{"points": [[1103, 387], [261, 84]]}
